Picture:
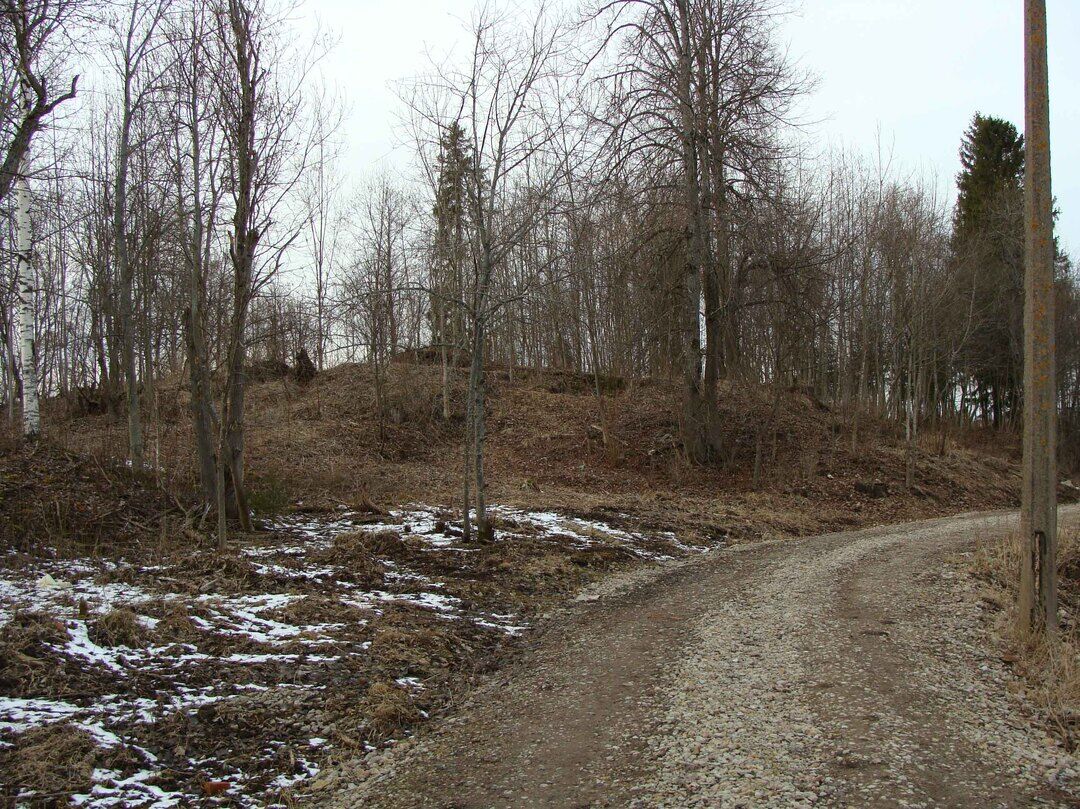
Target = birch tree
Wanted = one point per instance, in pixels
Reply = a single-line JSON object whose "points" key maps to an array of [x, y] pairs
{"points": [[27, 288]]}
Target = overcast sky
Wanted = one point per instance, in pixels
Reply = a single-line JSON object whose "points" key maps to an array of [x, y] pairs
{"points": [[914, 71]]}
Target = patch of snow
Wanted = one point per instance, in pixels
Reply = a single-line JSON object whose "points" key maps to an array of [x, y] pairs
{"points": [[80, 645], [19, 715], [112, 789]]}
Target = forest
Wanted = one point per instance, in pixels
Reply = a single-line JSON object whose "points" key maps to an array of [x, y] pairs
{"points": [[617, 262]]}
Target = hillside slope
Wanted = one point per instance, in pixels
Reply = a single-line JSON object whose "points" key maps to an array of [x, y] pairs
{"points": [[325, 444]]}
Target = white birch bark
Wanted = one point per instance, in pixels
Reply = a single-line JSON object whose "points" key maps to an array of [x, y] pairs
{"points": [[23, 246]]}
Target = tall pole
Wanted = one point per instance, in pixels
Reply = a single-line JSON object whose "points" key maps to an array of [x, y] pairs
{"points": [[1038, 516]]}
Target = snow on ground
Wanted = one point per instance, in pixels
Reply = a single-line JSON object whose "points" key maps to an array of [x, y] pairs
{"points": [[76, 593], [429, 524]]}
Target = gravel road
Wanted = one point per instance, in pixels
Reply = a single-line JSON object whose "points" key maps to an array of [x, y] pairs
{"points": [[850, 669]]}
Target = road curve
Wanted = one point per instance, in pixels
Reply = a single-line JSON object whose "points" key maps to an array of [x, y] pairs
{"points": [[851, 669]]}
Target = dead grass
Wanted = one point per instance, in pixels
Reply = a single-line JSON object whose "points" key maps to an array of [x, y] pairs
{"points": [[390, 707], [411, 642], [1051, 668], [119, 627], [1048, 666], [53, 760]]}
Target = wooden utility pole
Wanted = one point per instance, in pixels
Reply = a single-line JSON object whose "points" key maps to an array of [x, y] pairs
{"points": [[1038, 516]]}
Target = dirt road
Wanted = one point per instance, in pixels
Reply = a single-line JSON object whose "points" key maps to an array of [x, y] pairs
{"points": [[851, 669]]}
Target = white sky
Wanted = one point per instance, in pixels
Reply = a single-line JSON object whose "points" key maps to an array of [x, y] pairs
{"points": [[914, 71]]}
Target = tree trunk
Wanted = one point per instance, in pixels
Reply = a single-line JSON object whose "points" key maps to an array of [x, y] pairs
{"points": [[232, 452], [28, 349], [10, 366], [693, 417], [125, 272], [201, 407], [483, 528], [467, 465]]}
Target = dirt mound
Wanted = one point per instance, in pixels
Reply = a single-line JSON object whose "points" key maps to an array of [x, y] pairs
{"points": [[802, 466]]}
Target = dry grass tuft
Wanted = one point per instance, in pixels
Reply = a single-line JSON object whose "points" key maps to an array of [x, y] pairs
{"points": [[119, 627], [223, 572], [54, 760], [354, 554], [390, 707], [1051, 668], [176, 625], [384, 543], [25, 658]]}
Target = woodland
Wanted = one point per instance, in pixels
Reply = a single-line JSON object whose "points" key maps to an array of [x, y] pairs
{"points": [[618, 305]]}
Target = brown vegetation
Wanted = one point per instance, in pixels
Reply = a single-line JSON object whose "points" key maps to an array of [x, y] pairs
{"points": [[1048, 665], [327, 444]]}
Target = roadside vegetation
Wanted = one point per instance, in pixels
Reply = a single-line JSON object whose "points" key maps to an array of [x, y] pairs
{"points": [[1048, 665]]}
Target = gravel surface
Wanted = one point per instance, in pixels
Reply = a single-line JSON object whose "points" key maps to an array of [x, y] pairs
{"points": [[847, 670]]}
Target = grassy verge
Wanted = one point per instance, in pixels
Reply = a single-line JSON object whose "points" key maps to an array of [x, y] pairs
{"points": [[1048, 667]]}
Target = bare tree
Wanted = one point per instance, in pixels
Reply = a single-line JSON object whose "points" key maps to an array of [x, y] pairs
{"points": [[136, 44], [496, 97], [260, 107], [699, 91], [321, 199], [198, 188]]}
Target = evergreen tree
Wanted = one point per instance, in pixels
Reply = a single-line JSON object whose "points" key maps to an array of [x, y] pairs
{"points": [[447, 311], [989, 245], [992, 161]]}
